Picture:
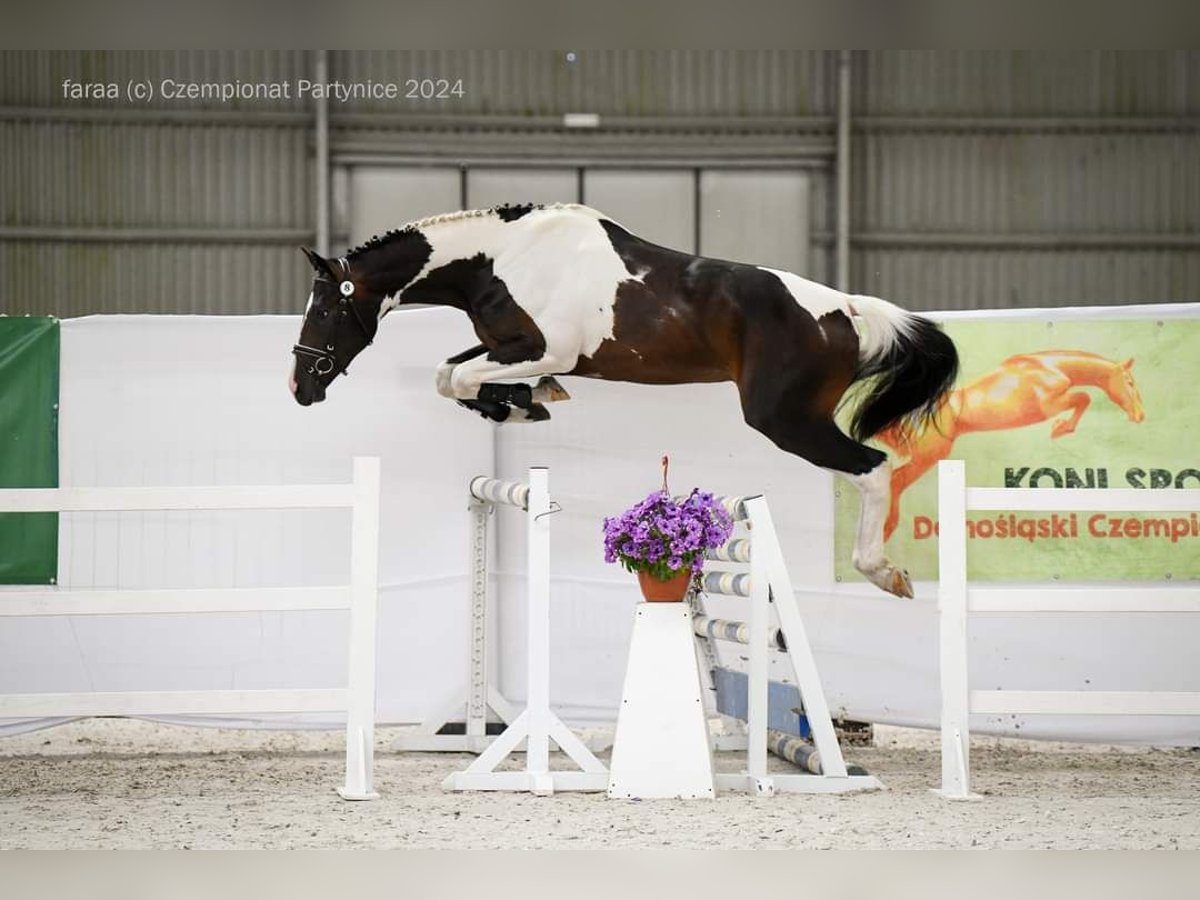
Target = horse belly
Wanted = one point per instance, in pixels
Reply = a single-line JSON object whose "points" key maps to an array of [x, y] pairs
{"points": [[657, 341]]}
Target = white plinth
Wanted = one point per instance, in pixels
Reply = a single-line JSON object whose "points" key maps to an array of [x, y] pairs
{"points": [[661, 746]]}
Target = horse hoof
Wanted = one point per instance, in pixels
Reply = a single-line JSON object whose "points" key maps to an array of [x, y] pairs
{"points": [[534, 413], [548, 390], [901, 584], [494, 412]]}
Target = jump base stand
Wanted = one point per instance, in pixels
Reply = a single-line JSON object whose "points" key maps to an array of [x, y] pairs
{"points": [[661, 747]]}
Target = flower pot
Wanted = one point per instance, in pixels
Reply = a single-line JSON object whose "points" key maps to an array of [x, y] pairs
{"points": [[673, 589]]}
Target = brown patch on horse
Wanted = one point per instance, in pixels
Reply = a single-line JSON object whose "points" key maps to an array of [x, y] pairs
{"points": [[676, 325], [840, 336], [656, 343], [507, 330]]}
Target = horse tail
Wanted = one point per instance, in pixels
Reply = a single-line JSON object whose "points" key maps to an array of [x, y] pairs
{"points": [[909, 366]]}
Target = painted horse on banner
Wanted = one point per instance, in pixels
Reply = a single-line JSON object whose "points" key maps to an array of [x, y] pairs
{"points": [[563, 290], [1024, 390]]}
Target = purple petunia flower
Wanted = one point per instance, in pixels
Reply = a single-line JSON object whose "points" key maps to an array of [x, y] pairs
{"points": [[664, 535]]}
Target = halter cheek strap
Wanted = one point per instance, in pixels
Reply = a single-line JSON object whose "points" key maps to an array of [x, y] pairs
{"points": [[324, 360]]}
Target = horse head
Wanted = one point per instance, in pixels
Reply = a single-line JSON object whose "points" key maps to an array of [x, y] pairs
{"points": [[339, 323], [1123, 391]]}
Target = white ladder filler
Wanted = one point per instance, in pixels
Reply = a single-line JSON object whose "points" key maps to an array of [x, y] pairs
{"points": [[768, 586], [537, 725]]}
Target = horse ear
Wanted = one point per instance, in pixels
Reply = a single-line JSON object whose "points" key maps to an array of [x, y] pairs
{"points": [[1128, 364], [319, 264]]}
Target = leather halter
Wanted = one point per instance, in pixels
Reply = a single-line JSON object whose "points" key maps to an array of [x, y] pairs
{"points": [[325, 361]]}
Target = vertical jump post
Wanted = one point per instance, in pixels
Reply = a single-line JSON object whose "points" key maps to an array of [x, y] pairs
{"points": [[537, 725]]}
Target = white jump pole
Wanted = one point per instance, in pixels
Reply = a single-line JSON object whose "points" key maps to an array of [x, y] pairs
{"points": [[952, 618], [537, 570]]}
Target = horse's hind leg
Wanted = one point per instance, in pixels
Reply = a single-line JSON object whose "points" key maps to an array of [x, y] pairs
{"points": [[822, 443]]}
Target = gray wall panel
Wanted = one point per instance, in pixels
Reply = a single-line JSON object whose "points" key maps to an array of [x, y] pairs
{"points": [[756, 217], [382, 199], [612, 82], [154, 176], [79, 279], [497, 186], [1043, 183], [197, 205], [1027, 83], [955, 279], [657, 206]]}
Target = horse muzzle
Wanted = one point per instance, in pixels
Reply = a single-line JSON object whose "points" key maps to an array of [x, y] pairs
{"points": [[308, 390]]}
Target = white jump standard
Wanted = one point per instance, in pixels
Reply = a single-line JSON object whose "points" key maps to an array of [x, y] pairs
{"points": [[537, 725]]}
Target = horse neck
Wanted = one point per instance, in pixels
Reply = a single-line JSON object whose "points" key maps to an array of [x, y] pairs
{"points": [[389, 266], [457, 247], [1090, 370]]}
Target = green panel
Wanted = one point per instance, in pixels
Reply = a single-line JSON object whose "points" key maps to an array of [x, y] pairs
{"points": [[28, 445]]}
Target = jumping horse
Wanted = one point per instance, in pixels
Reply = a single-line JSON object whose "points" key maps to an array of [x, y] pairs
{"points": [[564, 290]]}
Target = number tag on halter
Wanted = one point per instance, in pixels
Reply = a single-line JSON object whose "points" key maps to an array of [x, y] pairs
{"points": [[347, 288]]}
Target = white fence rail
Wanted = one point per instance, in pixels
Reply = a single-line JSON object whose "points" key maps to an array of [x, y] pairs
{"points": [[360, 598], [956, 598]]}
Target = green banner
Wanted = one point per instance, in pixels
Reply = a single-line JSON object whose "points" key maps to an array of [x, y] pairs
{"points": [[28, 445], [1070, 403]]}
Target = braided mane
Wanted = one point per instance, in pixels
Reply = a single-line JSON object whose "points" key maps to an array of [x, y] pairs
{"points": [[383, 240]]}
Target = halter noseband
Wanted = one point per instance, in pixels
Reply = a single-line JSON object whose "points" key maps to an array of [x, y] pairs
{"points": [[326, 357]]}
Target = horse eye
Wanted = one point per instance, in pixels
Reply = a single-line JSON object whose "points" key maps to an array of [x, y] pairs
{"points": [[324, 314]]}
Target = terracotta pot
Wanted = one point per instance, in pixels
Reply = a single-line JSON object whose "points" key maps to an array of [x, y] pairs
{"points": [[673, 589]]}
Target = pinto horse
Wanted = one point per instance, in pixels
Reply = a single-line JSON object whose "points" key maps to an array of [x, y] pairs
{"points": [[1024, 390], [564, 290]]}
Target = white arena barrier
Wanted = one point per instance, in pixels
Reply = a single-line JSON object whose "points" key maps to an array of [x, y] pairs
{"points": [[360, 598], [536, 725], [956, 598]]}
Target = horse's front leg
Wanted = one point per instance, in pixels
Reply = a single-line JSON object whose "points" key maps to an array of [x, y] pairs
{"points": [[498, 406], [444, 371], [476, 384], [874, 491], [1078, 402], [822, 443]]}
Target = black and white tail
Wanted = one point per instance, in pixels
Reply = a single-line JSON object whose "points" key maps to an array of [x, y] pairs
{"points": [[909, 365]]}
